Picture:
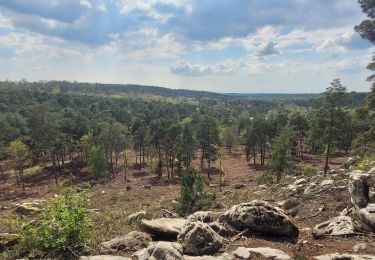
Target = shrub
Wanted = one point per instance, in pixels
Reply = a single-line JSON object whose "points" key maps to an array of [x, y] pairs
{"points": [[309, 171], [61, 230], [192, 197], [266, 178]]}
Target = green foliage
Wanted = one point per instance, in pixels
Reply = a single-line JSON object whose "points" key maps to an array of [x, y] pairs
{"points": [[61, 229], [97, 162], [309, 171], [279, 159], [192, 196], [266, 178]]}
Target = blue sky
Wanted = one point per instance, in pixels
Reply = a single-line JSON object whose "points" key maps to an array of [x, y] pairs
{"points": [[291, 46]]}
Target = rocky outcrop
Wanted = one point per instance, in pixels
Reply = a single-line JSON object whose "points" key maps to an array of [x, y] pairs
{"points": [[133, 241], [202, 216], [366, 217], [223, 229], [359, 189], [260, 253], [260, 216], [136, 217], [161, 251], [104, 257], [198, 238], [338, 256], [163, 228], [338, 226]]}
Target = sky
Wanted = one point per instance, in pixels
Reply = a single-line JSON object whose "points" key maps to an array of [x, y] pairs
{"points": [[252, 46]]}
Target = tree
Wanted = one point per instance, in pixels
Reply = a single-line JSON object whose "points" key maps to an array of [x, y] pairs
{"points": [[229, 136], [280, 148], [85, 143], [191, 191], [208, 136], [19, 153], [334, 97], [97, 161]]}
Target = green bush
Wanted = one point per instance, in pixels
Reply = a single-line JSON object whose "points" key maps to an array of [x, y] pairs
{"points": [[309, 171], [266, 178], [63, 228], [192, 197]]}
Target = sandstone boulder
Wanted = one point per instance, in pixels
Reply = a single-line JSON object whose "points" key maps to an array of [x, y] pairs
{"points": [[202, 216], [138, 216], [359, 189], [224, 256], [223, 229], [198, 238], [133, 241], [163, 228], [160, 251], [260, 216], [338, 226], [366, 217]]}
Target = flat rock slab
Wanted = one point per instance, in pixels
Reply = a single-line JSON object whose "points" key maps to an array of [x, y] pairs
{"points": [[104, 257], [132, 241], [164, 228], [338, 256], [160, 251], [224, 256], [261, 252], [338, 226]]}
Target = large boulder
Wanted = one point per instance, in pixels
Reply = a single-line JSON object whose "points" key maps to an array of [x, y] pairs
{"points": [[202, 216], [223, 229], [338, 226], [338, 256], [198, 238], [160, 251], [260, 216], [366, 217], [104, 257], [133, 241], [163, 228], [359, 189], [260, 253]]}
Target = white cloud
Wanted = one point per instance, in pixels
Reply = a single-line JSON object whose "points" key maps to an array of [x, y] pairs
{"points": [[267, 49]]}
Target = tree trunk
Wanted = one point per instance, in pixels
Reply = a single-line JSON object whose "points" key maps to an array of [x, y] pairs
{"points": [[329, 144]]}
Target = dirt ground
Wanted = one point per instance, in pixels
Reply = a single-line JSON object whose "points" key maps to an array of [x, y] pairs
{"points": [[113, 201]]}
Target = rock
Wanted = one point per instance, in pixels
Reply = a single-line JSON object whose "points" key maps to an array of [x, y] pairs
{"points": [[300, 181], [366, 217], [262, 187], [138, 216], [358, 247], [223, 229], [352, 160], [260, 216], [198, 238], [104, 257], [133, 241], [29, 207], [338, 226], [371, 171], [290, 206], [326, 183], [164, 213], [160, 251], [371, 195], [359, 189], [165, 228], [224, 256], [338, 256], [260, 252], [202, 216], [295, 188], [310, 189], [239, 186], [8, 240], [227, 192]]}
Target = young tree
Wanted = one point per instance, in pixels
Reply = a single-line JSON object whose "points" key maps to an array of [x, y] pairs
{"points": [[97, 161], [279, 159], [208, 136], [19, 153], [334, 97], [229, 136], [85, 143]]}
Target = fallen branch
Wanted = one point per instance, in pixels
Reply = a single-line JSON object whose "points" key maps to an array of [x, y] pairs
{"points": [[240, 234]]}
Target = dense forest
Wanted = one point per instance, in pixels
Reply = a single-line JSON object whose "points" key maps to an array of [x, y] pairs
{"points": [[61, 121]]}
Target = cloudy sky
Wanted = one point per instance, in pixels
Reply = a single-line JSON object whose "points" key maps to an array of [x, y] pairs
{"points": [[289, 46]]}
